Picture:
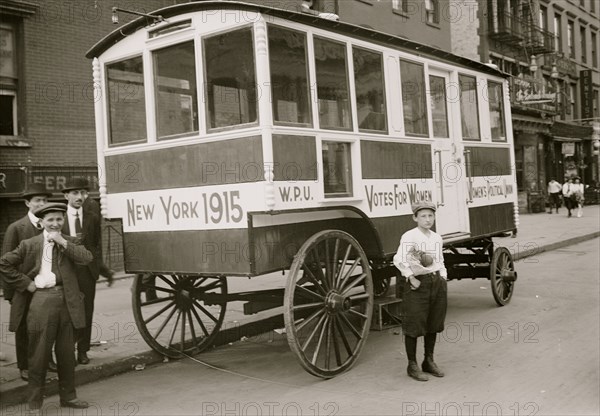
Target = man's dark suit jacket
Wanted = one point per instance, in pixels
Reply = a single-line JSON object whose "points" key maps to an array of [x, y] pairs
{"points": [[91, 239], [20, 266], [16, 232]]}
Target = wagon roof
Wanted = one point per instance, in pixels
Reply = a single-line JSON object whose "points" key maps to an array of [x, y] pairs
{"points": [[308, 19]]}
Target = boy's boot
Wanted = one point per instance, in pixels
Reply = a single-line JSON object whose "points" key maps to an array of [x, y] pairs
{"points": [[429, 366], [414, 372]]}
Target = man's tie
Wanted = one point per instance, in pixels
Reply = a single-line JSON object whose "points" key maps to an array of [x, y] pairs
{"points": [[38, 225], [77, 224], [47, 256]]}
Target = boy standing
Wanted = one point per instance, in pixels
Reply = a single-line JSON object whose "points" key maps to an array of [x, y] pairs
{"points": [[420, 260], [44, 266]]}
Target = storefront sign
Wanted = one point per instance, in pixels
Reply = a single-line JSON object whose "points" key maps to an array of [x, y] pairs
{"points": [[568, 149], [565, 66], [12, 181], [587, 94], [55, 179], [527, 90]]}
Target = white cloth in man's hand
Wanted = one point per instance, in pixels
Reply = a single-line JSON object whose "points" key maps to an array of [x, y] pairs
{"points": [[42, 281]]}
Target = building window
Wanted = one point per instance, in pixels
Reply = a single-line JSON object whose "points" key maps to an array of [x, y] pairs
{"points": [[593, 6], [413, 98], [127, 101], [582, 3], [543, 18], [572, 101], [289, 77], [469, 113], [496, 104], [400, 5], [230, 79], [9, 81], [594, 50], [176, 90], [557, 33], [571, 38], [332, 85], [583, 44], [370, 96], [337, 169], [432, 11]]}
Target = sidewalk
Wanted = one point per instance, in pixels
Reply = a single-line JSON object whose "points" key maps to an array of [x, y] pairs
{"points": [[120, 347]]}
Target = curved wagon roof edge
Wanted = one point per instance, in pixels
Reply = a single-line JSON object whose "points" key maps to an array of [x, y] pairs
{"points": [[308, 19]]}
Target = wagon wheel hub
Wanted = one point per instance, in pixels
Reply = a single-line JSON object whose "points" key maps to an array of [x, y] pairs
{"points": [[184, 298], [335, 303]]}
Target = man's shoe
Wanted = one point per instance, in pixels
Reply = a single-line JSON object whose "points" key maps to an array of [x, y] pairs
{"points": [[52, 365], [414, 372], [24, 375], [82, 358], [429, 366], [75, 404]]}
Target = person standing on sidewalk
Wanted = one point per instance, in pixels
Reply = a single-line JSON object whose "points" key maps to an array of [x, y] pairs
{"points": [[91, 205], [554, 191], [567, 191], [35, 197], [85, 226], [44, 266], [421, 261], [577, 195]]}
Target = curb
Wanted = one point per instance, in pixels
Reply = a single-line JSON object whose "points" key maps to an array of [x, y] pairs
{"points": [[15, 392], [554, 246]]}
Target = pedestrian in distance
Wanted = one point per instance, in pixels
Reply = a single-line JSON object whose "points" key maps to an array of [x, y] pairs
{"points": [[554, 192], [86, 227], [567, 192], [45, 266], [28, 226], [577, 195], [421, 262]]}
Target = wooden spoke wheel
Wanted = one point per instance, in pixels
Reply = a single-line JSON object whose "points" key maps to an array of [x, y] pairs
{"points": [[328, 303], [502, 275], [178, 313]]}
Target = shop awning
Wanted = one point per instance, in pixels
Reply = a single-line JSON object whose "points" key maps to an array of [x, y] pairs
{"points": [[563, 130]]}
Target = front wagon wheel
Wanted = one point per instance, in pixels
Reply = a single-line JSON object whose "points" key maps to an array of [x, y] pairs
{"points": [[328, 303], [502, 275], [178, 313]]}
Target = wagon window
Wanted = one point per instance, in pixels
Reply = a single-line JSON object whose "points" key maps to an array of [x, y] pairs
{"points": [[370, 97], [126, 101], [289, 76], [337, 169], [413, 98], [175, 89], [469, 113], [439, 111], [496, 103], [332, 85], [230, 79]]}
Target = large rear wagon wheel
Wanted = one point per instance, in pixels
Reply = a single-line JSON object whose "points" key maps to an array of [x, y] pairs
{"points": [[328, 303], [178, 313], [502, 275]]}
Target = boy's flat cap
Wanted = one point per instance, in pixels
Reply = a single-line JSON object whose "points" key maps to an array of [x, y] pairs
{"points": [[51, 207], [423, 205]]}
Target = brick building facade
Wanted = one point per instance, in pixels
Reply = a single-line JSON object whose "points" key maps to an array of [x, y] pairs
{"points": [[554, 103]]}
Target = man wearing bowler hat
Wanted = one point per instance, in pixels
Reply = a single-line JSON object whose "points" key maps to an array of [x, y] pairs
{"points": [[29, 226], [43, 267], [86, 227]]}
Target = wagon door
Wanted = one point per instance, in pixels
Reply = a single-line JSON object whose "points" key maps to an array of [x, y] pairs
{"points": [[447, 162]]}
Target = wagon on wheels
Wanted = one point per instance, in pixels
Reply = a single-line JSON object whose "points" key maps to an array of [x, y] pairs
{"points": [[238, 140]]}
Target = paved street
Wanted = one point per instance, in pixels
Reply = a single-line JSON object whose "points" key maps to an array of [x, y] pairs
{"points": [[536, 356]]}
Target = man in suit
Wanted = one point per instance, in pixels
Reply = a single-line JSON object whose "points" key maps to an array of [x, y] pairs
{"points": [[35, 197], [91, 205], [44, 266], [86, 226]]}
